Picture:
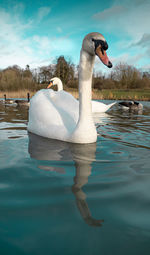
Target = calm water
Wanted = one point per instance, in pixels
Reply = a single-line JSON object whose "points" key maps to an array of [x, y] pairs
{"points": [[60, 198]]}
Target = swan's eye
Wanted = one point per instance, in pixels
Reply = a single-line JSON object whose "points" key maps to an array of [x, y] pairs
{"points": [[103, 44]]}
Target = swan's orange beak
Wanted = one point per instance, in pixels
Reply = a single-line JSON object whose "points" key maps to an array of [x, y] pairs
{"points": [[103, 56], [50, 84]]}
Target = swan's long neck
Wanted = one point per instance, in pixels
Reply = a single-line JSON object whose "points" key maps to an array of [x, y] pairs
{"points": [[59, 85], [85, 84], [85, 131]]}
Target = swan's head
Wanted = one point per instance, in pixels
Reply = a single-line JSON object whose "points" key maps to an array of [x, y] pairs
{"points": [[95, 44], [54, 81]]}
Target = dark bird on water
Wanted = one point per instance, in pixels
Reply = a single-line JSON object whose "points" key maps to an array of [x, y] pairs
{"points": [[8, 100], [20, 102], [130, 105]]}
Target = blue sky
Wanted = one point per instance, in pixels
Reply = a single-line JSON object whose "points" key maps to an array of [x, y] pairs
{"points": [[36, 32]]}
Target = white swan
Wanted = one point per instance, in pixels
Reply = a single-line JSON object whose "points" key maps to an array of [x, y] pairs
{"points": [[97, 107], [47, 116]]}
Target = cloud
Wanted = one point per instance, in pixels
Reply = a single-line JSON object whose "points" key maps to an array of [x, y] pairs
{"points": [[17, 46], [56, 44], [127, 58], [146, 67], [127, 22], [110, 13], [13, 48], [143, 42], [126, 19], [43, 12]]}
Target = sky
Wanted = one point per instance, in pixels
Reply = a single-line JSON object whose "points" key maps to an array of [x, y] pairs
{"points": [[34, 33]]}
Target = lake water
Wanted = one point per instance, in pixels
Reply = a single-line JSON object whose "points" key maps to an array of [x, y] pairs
{"points": [[61, 198]]}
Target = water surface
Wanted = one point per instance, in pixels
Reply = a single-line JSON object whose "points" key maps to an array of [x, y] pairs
{"points": [[61, 198]]}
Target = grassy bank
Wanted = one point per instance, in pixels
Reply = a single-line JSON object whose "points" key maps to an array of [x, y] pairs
{"points": [[111, 94]]}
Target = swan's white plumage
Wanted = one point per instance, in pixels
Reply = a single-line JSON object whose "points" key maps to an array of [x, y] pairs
{"points": [[54, 121], [54, 115], [97, 107]]}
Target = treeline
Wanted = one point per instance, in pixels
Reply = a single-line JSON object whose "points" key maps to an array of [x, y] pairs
{"points": [[123, 76]]}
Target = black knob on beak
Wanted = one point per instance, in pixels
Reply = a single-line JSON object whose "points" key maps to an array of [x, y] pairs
{"points": [[110, 64]]}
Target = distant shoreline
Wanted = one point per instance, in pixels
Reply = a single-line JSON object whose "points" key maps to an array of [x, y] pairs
{"points": [[107, 94]]}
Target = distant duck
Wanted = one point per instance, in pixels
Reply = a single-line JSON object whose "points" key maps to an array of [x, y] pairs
{"points": [[97, 107], [131, 105], [8, 100], [25, 102]]}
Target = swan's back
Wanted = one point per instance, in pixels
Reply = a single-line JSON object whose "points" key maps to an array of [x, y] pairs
{"points": [[52, 114], [98, 107]]}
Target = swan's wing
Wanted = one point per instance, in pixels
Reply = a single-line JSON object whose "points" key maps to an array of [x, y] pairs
{"points": [[67, 102], [100, 107], [48, 118]]}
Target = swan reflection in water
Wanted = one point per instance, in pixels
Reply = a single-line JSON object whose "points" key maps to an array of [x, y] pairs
{"points": [[83, 155]]}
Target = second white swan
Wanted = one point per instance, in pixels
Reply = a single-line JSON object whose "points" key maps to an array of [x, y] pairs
{"points": [[97, 107], [47, 116]]}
